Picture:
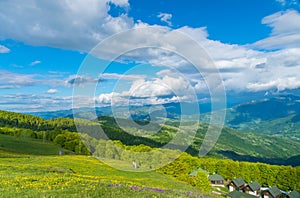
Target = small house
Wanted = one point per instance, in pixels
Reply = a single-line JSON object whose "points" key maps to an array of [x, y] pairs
{"points": [[237, 184], [216, 180], [238, 194], [294, 194], [273, 192], [253, 188]]}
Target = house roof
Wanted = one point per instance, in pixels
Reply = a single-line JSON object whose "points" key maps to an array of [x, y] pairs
{"points": [[254, 186], [215, 177], [274, 191], [238, 194], [194, 173], [294, 194], [239, 182]]}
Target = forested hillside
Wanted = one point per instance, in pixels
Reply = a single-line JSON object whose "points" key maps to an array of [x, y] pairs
{"points": [[232, 144]]}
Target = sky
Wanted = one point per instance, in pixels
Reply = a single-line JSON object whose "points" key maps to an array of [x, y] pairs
{"points": [[44, 46]]}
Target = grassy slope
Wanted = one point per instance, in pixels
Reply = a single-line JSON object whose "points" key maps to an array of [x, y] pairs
{"points": [[73, 176], [28, 146]]}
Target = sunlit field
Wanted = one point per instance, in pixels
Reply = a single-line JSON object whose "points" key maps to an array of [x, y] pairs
{"points": [[24, 175]]}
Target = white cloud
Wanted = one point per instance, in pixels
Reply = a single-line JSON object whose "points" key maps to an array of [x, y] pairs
{"points": [[164, 86], [283, 22], [160, 57], [79, 25], [155, 91], [4, 49], [79, 80], [278, 84], [34, 103], [165, 17], [35, 62], [67, 24], [121, 99], [52, 91], [239, 65], [122, 3], [285, 31], [9, 80]]}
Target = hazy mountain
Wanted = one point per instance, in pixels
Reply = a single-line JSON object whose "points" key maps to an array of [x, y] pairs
{"points": [[169, 110], [277, 116], [273, 115]]}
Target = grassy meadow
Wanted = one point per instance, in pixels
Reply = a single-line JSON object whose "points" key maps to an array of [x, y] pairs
{"points": [[24, 172]]}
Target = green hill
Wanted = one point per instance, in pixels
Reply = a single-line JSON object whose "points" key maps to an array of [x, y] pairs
{"points": [[81, 176], [232, 144], [28, 146]]}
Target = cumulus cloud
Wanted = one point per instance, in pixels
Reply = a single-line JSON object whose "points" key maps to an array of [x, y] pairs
{"points": [[4, 49], [285, 30], [154, 91], [67, 24], [164, 86], [239, 65], [79, 25], [165, 17]]}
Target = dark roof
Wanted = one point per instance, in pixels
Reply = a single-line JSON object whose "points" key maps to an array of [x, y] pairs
{"points": [[254, 186], [215, 177], [274, 191], [294, 194], [194, 173], [239, 182], [238, 194]]}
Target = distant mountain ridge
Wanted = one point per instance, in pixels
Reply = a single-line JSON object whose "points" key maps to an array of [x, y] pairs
{"points": [[278, 116], [173, 111], [273, 115], [267, 109]]}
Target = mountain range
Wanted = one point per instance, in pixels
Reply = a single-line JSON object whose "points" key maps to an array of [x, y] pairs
{"points": [[253, 130], [276, 115]]}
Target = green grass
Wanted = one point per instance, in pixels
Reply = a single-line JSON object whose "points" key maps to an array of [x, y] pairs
{"points": [[23, 145], [80, 176], [25, 171]]}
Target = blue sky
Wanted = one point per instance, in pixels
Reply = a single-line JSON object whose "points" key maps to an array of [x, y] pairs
{"points": [[255, 44]]}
